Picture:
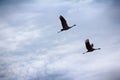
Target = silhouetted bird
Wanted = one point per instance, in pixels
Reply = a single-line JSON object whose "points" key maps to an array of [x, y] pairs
{"points": [[64, 24], [89, 46]]}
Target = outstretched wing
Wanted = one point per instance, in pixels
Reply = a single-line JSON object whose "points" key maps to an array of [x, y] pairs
{"points": [[92, 45], [63, 22], [88, 46]]}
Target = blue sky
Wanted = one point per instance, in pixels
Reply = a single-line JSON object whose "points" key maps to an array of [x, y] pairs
{"points": [[31, 48]]}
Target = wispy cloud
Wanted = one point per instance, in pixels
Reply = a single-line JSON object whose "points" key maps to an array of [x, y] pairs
{"points": [[13, 38]]}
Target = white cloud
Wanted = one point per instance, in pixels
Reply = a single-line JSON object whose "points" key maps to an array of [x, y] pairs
{"points": [[14, 38]]}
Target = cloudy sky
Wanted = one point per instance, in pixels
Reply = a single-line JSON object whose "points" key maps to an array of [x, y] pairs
{"points": [[31, 48]]}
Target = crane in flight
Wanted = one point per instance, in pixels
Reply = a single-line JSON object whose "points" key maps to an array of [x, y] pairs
{"points": [[64, 24], [89, 46]]}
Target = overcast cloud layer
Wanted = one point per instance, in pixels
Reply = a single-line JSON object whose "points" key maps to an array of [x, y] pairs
{"points": [[31, 48]]}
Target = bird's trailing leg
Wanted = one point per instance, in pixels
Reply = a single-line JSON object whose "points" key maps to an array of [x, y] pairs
{"points": [[58, 31], [84, 52]]}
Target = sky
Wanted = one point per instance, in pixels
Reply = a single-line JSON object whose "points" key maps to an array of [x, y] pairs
{"points": [[31, 48]]}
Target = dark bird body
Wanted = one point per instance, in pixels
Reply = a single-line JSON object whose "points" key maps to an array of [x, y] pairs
{"points": [[89, 46], [64, 24]]}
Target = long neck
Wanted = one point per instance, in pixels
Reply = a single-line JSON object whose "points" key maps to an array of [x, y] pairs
{"points": [[73, 25], [97, 49]]}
